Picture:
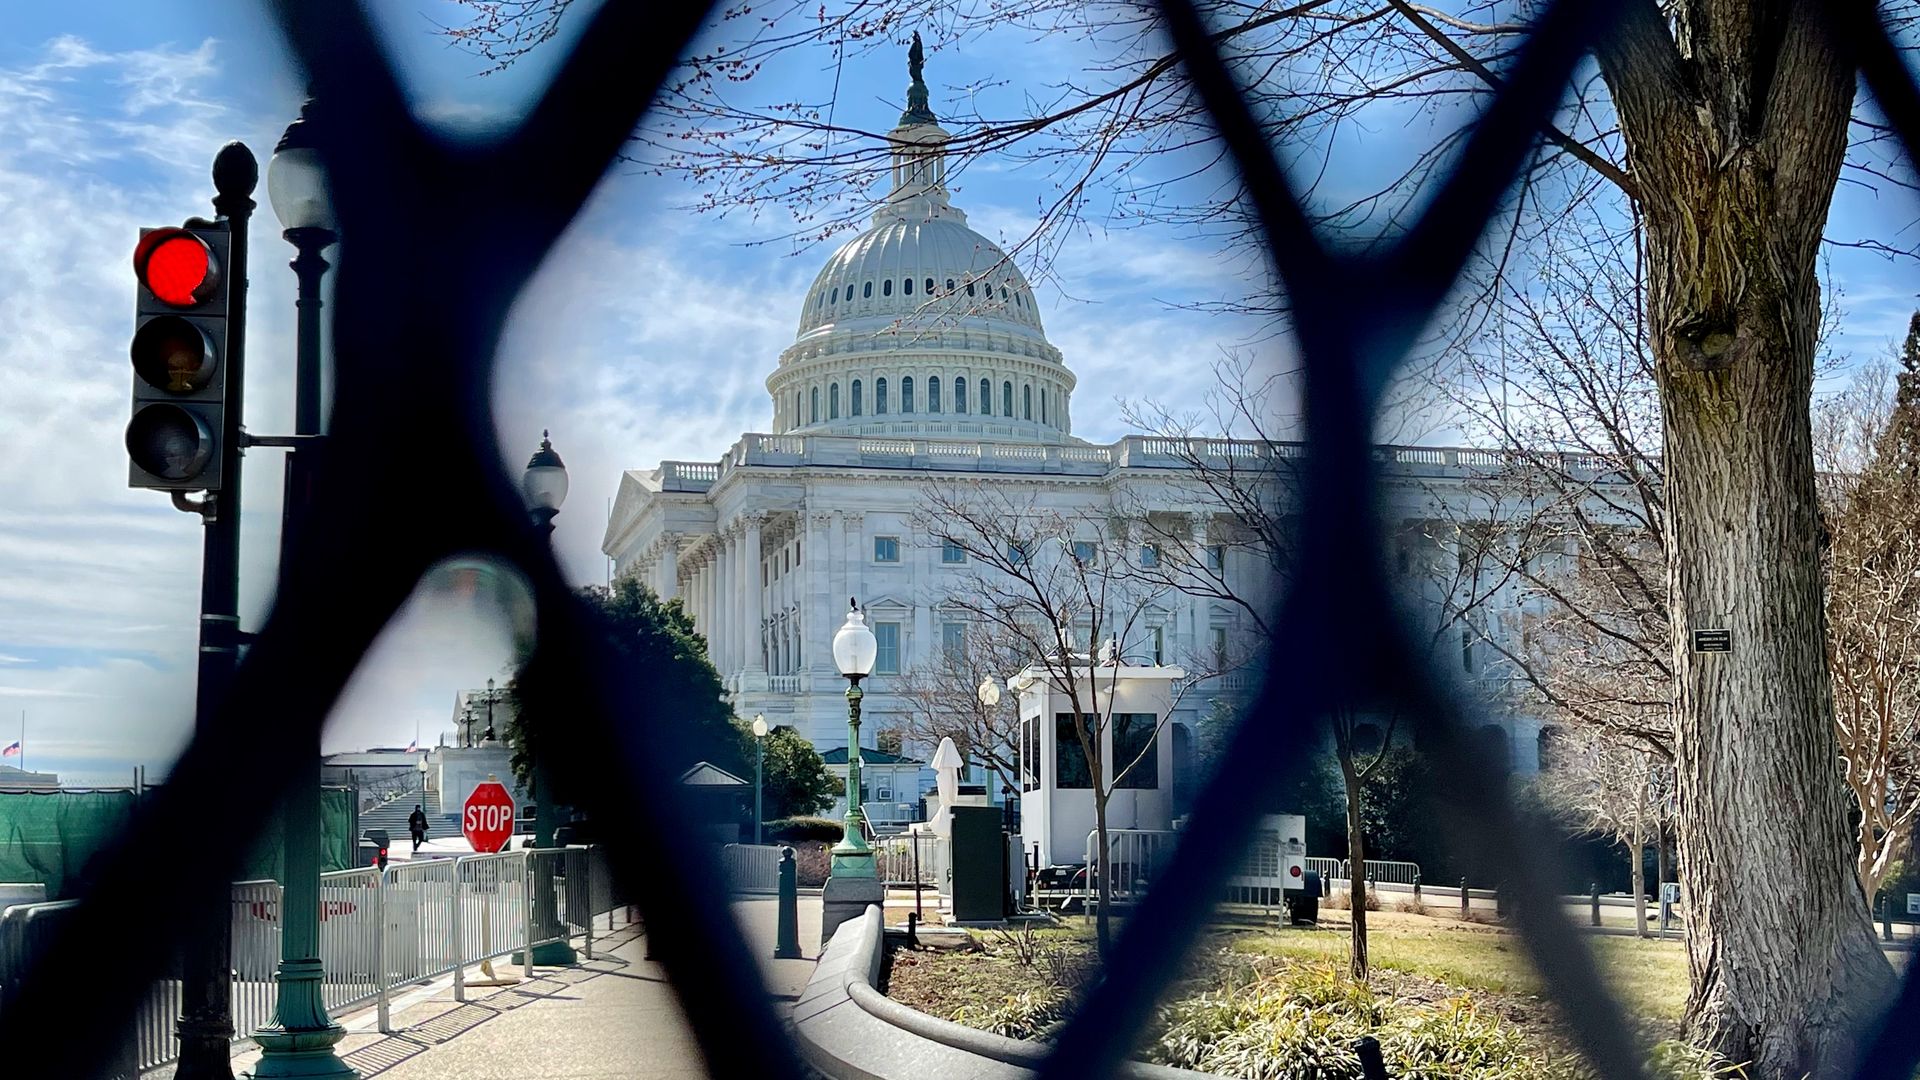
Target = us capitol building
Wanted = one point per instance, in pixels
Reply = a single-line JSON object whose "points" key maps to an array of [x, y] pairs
{"points": [[920, 356]]}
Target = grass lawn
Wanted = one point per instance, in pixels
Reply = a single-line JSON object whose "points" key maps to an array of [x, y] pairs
{"points": [[1248, 991], [1649, 976]]}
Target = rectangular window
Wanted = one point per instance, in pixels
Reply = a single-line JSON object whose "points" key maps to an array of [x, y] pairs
{"points": [[1159, 646], [953, 639], [952, 553], [887, 740], [1466, 651], [1220, 647], [1069, 757], [886, 794], [1216, 557], [1149, 555], [1083, 551], [886, 549], [887, 660], [1029, 754], [1133, 734], [1016, 553]]}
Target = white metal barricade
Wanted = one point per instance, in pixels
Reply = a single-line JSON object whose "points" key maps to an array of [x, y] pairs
{"points": [[255, 954], [351, 926], [1134, 857], [751, 868]]}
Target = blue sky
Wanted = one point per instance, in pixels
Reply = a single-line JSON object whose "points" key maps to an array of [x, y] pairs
{"points": [[649, 335]]}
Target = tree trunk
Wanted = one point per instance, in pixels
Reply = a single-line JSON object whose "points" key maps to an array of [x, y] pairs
{"points": [[1356, 873], [1637, 850], [1659, 859], [1736, 142], [1102, 870]]}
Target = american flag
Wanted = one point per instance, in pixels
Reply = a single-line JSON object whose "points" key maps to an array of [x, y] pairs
{"points": [[412, 747], [12, 749]]}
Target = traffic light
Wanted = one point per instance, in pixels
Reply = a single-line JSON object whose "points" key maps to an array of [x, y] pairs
{"points": [[178, 430]]}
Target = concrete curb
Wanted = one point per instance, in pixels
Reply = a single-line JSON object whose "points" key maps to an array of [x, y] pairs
{"points": [[851, 1031]]}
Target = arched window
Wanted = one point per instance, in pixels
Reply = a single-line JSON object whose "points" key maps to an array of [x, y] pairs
{"points": [[833, 401], [933, 395], [866, 291], [849, 290], [929, 286], [1043, 404], [816, 406], [969, 288], [1003, 293], [1549, 736], [949, 285], [879, 397], [1006, 399], [906, 394], [886, 287], [986, 398], [960, 395], [797, 413], [1026, 402], [906, 286], [856, 397]]}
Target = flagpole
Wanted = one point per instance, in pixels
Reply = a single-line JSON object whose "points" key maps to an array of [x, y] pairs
{"points": [[23, 743]]}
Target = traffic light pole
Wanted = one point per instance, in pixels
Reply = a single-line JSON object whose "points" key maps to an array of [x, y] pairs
{"points": [[206, 1015], [302, 1038]]}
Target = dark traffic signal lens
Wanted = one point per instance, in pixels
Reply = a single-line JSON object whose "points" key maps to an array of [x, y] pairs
{"points": [[176, 266], [172, 354], [169, 442]]}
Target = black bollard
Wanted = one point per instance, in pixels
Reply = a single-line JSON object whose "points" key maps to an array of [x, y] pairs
{"points": [[1886, 916], [787, 936], [1463, 899], [1372, 1065], [1596, 903]]}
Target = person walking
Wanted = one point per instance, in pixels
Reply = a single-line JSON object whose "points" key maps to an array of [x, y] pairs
{"points": [[417, 825]]}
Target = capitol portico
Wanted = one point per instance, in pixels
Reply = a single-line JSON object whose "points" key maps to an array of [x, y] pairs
{"points": [[920, 356]]}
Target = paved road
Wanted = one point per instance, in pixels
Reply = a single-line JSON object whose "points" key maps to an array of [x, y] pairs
{"points": [[613, 1016]]}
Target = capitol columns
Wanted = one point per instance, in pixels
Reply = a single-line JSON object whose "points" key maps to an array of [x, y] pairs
{"points": [[668, 571], [754, 632], [722, 636]]}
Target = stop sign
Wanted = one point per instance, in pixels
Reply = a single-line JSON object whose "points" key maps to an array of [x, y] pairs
{"points": [[487, 819]]}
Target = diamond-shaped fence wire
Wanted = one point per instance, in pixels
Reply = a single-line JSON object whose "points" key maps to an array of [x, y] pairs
{"points": [[443, 235]]}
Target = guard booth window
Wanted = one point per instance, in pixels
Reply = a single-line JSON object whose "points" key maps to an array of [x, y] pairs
{"points": [[1069, 757], [1133, 738]]}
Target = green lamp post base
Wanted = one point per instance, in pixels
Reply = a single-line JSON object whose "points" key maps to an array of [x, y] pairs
{"points": [[304, 1050]]}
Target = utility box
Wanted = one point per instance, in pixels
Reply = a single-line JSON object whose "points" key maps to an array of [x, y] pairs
{"points": [[979, 865]]}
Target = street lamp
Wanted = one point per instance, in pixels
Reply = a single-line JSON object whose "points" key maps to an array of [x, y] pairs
{"points": [[759, 770], [989, 694], [854, 651], [544, 485], [300, 1042], [488, 736]]}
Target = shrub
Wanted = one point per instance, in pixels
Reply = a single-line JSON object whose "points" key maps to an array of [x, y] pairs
{"points": [[1412, 907], [1027, 1014], [795, 829]]}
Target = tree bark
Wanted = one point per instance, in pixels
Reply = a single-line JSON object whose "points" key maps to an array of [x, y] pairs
{"points": [[1737, 145], [1102, 869], [1356, 872], [1637, 851]]}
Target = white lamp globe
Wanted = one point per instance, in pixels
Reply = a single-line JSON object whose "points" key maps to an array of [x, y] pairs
{"points": [[854, 647], [989, 692], [297, 181], [759, 726], [545, 481]]}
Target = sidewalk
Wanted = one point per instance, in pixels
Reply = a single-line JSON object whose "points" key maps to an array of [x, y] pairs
{"points": [[613, 1016]]}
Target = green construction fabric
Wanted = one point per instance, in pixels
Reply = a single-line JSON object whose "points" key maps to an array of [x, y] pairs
{"points": [[336, 840], [51, 837]]}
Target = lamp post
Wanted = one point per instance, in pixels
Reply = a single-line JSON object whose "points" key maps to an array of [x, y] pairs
{"points": [[759, 771], [854, 651], [488, 735], [989, 695], [544, 485], [300, 1041]]}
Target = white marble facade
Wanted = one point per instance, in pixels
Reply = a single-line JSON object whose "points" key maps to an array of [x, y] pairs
{"points": [[920, 355]]}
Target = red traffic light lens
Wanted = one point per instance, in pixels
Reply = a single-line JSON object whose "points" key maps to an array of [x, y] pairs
{"points": [[169, 442], [172, 354], [176, 266]]}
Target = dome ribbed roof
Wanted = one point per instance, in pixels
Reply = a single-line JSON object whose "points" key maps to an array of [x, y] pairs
{"points": [[882, 276]]}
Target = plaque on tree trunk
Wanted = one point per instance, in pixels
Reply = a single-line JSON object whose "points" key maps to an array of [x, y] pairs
{"points": [[1713, 641]]}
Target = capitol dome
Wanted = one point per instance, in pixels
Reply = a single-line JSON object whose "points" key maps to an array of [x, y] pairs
{"points": [[920, 326]]}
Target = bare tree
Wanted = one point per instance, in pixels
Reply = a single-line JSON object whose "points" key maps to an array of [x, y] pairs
{"points": [[942, 700], [1055, 586], [1602, 784]]}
